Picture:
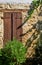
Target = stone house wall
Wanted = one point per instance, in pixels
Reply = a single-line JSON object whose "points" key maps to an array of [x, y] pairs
{"points": [[10, 8], [1, 30], [27, 27], [31, 32]]}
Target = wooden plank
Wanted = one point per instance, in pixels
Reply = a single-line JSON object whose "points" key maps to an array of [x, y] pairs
{"points": [[17, 20], [14, 25], [7, 27]]}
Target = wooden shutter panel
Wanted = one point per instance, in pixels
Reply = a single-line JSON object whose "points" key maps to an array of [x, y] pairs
{"points": [[14, 26], [7, 27], [17, 20]]}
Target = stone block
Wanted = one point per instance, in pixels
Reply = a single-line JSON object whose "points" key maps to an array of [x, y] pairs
{"points": [[1, 42], [1, 14]]}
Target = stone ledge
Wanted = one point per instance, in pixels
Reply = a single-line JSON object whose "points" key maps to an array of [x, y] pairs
{"points": [[14, 6]]}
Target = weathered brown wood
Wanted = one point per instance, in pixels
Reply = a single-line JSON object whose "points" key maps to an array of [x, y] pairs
{"points": [[7, 27], [14, 25], [17, 20], [11, 22]]}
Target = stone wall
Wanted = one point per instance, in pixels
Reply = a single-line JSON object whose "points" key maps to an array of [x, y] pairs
{"points": [[1, 30], [29, 29], [8, 7], [31, 34], [14, 6]]}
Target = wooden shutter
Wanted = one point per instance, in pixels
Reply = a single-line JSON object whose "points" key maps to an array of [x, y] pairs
{"points": [[14, 25], [11, 22], [7, 27], [17, 20]]}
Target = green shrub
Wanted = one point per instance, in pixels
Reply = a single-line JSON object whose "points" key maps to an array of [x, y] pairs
{"points": [[13, 53]]}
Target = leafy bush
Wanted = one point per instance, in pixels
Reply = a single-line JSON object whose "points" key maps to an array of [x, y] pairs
{"points": [[13, 53]]}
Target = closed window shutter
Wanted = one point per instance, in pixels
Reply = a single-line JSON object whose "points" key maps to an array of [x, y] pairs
{"points": [[17, 21], [7, 27], [11, 22]]}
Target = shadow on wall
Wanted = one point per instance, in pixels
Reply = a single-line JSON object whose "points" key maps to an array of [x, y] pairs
{"points": [[33, 61]]}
